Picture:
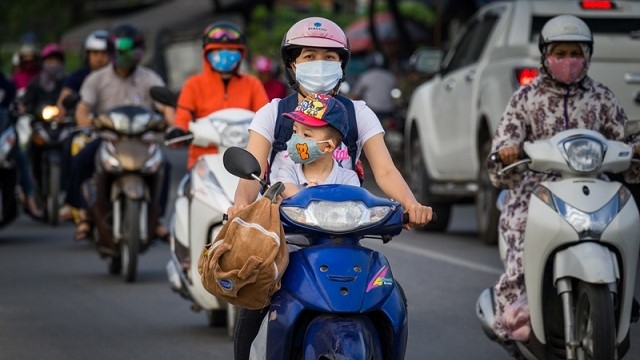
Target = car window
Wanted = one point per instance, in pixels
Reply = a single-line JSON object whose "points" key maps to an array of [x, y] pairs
{"points": [[608, 26], [469, 48]]}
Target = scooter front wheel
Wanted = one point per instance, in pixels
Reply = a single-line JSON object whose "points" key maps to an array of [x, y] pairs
{"points": [[595, 324], [130, 243]]}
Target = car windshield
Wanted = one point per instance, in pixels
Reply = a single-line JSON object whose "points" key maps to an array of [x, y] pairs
{"points": [[608, 26]]}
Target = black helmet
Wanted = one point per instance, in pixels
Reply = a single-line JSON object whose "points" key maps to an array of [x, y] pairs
{"points": [[223, 32], [120, 35]]}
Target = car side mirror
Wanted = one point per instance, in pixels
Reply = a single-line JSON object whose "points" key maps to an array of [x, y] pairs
{"points": [[427, 61]]}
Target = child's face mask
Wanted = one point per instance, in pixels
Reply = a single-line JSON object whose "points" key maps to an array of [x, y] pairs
{"points": [[304, 150]]}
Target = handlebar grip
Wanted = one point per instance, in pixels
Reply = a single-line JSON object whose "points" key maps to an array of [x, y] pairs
{"points": [[434, 218]]}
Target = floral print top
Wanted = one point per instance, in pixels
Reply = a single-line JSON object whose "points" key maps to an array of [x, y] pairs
{"points": [[540, 110]]}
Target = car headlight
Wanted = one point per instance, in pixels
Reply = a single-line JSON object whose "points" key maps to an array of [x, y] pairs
{"points": [[108, 159], [584, 154], [336, 217]]}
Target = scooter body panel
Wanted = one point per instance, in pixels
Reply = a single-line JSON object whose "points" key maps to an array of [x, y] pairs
{"points": [[339, 282], [547, 232]]}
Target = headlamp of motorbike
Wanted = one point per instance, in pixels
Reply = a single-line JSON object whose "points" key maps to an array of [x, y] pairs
{"points": [[589, 225], [108, 157], [140, 122], [337, 217], [206, 176], [49, 112], [584, 154], [234, 133], [7, 141], [120, 122], [155, 160]]}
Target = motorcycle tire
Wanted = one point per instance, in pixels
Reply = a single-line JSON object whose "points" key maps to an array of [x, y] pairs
{"points": [[53, 195], [487, 214], [419, 183], [594, 322], [130, 243]]}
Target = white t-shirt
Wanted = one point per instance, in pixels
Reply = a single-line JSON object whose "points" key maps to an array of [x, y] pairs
{"points": [[294, 174], [264, 123]]}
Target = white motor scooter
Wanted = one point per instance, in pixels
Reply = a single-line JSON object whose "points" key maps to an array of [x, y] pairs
{"points": [[580, 251], [203, 197]]}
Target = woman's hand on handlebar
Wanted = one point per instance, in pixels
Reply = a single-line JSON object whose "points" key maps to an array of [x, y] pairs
{"points": [[508, 155], [419, 215]]}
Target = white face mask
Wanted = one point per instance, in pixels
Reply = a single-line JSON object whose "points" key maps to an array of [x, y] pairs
{"points": [[320, 76]]}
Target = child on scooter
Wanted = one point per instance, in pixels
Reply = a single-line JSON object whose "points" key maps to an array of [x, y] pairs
{"points": [[319, 124]]}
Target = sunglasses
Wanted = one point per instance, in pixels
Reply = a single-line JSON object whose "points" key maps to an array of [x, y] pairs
{"points": [[223, 34]]}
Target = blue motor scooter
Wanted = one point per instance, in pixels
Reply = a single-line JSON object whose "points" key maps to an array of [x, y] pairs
{"points": [[339, 299]]}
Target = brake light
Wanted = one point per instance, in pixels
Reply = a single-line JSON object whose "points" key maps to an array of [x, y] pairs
{"points": [[597, 4], [525, 76]]}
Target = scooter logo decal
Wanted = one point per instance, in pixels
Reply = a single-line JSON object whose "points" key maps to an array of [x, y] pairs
{"points": [[380, 279], [226, 284]]}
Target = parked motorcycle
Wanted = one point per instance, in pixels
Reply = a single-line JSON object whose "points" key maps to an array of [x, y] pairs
{"points": [[47, 147], [580, 251], [203, 197], [123, 195], [338, 299], [8, 168]]}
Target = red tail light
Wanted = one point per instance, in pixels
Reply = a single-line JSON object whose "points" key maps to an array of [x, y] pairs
{"points": [[525, 76], [597, 5]]}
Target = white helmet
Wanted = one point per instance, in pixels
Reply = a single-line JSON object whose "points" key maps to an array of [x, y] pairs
{"points": [[565, 28], [96, 41]]}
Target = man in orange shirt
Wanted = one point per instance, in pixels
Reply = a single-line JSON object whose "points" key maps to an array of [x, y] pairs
{"points": [[220, 85]]}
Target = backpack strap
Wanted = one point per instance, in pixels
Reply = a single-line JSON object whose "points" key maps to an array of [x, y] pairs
{"points": [[283, 131], [351, 139]]}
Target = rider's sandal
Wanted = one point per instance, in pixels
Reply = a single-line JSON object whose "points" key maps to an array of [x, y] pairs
{"points": [[83, 230], [83, 226]]}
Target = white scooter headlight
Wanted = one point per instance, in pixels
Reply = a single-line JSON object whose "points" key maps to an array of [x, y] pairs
{"points": [[337, 217], [584, 154], [234, 133], [107, 157]]}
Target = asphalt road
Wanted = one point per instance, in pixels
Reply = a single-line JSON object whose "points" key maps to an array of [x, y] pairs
{"points": [[58, 302]]}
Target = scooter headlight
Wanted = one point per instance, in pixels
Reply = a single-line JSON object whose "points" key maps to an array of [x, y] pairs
{"points": [[337, 217], [233, 133], [155, 160], [108, 159], [584, 154], [7, 141], [49, 112]]}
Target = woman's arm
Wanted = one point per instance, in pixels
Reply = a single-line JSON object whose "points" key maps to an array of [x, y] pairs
{"points": [[248, 190], [391, 182]]}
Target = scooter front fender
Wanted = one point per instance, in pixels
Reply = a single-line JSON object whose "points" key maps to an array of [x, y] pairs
{"points": [[588, 261], [335, 337], [132, 186]]}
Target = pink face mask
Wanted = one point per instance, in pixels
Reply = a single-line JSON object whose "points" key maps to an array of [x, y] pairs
{"points": [[566, 70]]}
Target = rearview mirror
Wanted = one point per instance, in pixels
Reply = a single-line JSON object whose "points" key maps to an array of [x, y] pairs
{"points": [[631, 127], [71, 101], [241, 163], [163, 95]]}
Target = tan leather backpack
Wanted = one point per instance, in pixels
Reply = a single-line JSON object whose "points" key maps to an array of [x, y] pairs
{"points": [[245, 262]]}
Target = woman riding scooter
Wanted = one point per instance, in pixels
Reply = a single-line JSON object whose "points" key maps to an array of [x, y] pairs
{"points": [[562, 97]]}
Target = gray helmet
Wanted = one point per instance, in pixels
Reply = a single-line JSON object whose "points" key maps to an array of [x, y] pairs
{"points": [[565, 28]]}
